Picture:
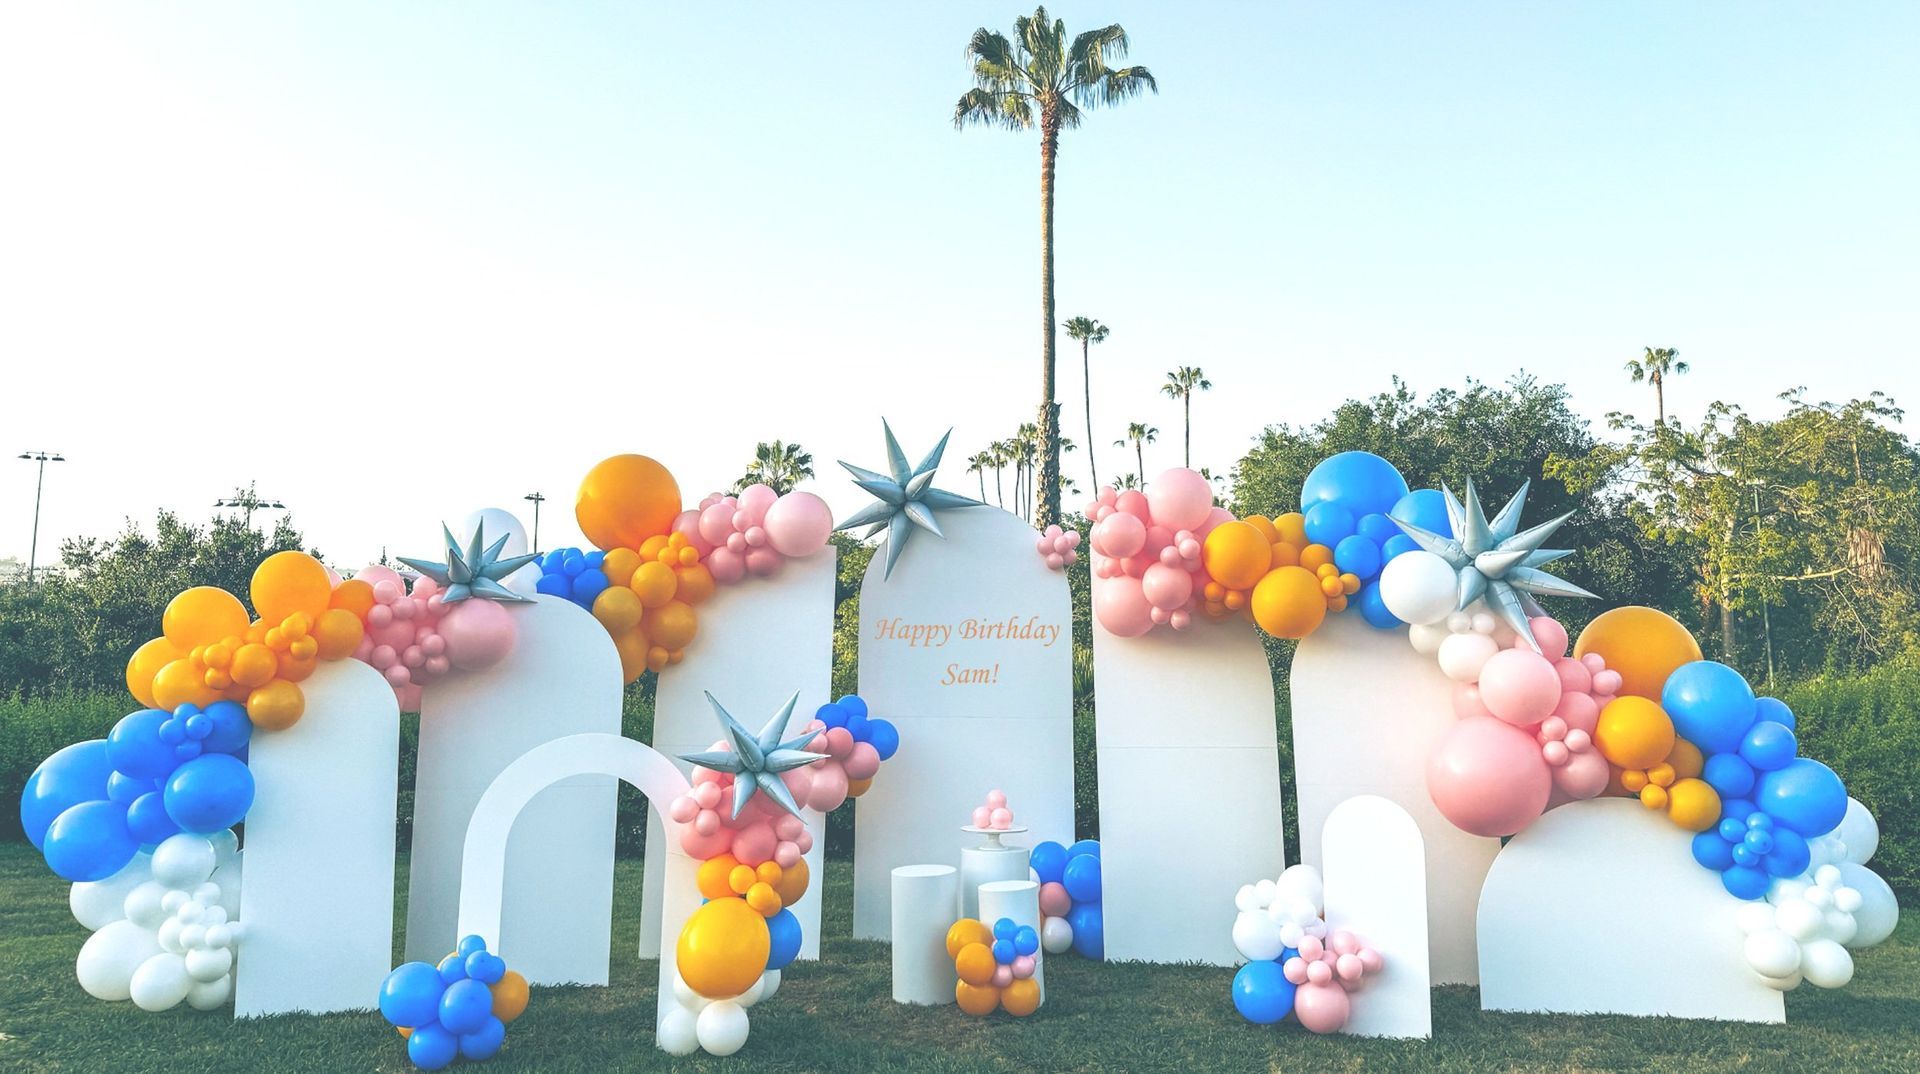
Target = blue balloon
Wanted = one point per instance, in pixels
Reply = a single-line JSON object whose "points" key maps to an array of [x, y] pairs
{"points": [[1378, 528], [783, 930], [1026, 941], [1711, 705], [485, 968], [1768, 745], [1358, 554], [1329, 524], [572, 562], [1089, 930], [231, 728], [1712, 851], [832, 714], [147, 819], [554, 562], [1084, 846], [554, 584], [1803, 795], [471, 944], [586, 586], [74, 774], [90, 841], [1745, 881], [854, 704], [432, 1046], [1004, 929], [465, 1006], [137, 748], [858, 726], [1003, 951], [1048, 860], [410, 996], [1261, 993], [453, 968], [1728, 775], [1398, 546], [1082, 878], [123, 788], [1772, 708], [1425, 508], [884, 736], [1363, 481], [210, 793], [484, 1042], [593, 559], [1790, 855], [1374, 609]]}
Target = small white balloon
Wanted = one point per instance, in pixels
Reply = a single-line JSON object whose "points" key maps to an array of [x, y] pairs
{"points": [[192, 936], [722, 1027], [1838, 925], [173, 900], [145, 905], [1459, 623], [1463, 655], [1773, 953], [97, 903], [1245, 899], [1827, 876], [219, 936], [184, 861], [1418, 587], [1783, 984], [1056, 935], [1859, 831], [226, 846], [1799, 918], [1879, 911], [213, 915], [208, 964], [228, 877], [753, 993], [1426, 637], [1755, 917], [1826, 964], [1485, 623], [161, 983], [169, 936], [1303, 884], [109, 958], [208, 995], [1264, 892], [1257, 937], [769, 984], [676, 1034]]}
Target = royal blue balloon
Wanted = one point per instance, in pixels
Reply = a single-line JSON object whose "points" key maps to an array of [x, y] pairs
{"points": [[1425, 508], [124, 789], [471, 943], [1004, 929], [884, 736], [1082, 878], [554, 562], [854, 704], [453, 968], [783, 932], [485, 968], [1084, 846], [1768, 745], [1026, 941], [231, 728], [74, 774], [136, 747], [1374, 609], [1358, 554], [1089, 930], [594, 559], [147, 819], [586, 586], [572, 562], [1772, 708], [1329, 524], [1790, 855], [831, 714], [1363, 481], [482, 1043], [90, 841], [1803, 795], [210, 793], [432, 1046], [857, 726], [410, 995], [1712, 851], [1711, 705], [1003, 951], [1398, 546], [1745, 881], [465, 1006], [1728, 775], [1048, 860], [1261, 993], [1378, 528], [554, 584]]}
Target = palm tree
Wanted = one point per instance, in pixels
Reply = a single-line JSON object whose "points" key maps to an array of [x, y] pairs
{"points": [[1139, 434], [779, 465], [1026, 447], [1002, 455], [1653, 368], [1181, 384], [1039, 79], [1088, 331], [980, 463]]}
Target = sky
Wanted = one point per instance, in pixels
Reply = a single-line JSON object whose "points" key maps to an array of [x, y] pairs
{"points": [[394, 262]]}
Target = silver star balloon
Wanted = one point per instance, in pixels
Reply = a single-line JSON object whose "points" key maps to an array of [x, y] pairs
{"points": [[476, 573], [1497, 560], [756, 762], [904, 499]]}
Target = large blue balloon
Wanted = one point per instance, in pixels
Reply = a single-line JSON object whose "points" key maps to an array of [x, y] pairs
{"points": [[1728, 775], [1082, 878], [90, 841], [1363, 482], [432, 1046], [465, 1006], [1261, 993], [783, 930], [1089, 930], [1425, 508], [1048, 860], [74, 774], [137, 748], [210, 793], [1711, 705], [1710, 850], [410, 996], [1379, 529], [1803, 795]]}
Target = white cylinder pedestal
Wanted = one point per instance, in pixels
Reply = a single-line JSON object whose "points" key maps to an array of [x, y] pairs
{"points": [[924, 897], [1019, 900], [981, 865]]}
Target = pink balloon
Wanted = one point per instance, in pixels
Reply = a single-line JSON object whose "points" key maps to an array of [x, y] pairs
{"points": [[726, 566], [1295, 970], [1134, 502], [753, 845], [799, 783], [479, 634], [1136, 566], [996, 798], [1322, 1007], [1054, 900], [687, 524], [1120, 536], [1159, 539], [982, 816], [399, 675], [863, 762], [716, 522], [1214, 518], [1487, 777], [756, 501], [703, 845], [798, 524], [1550, 634], [706, 794], [1002, 976], [737, 543], [1180, 498], [388, 590], [837, 742], [374, 574], [1579, 710], [1607, 682], [1519, 686], [1167, 587], [1574, 676], [1371, 960], [763, 561], [1000, 819], [1583, 776], [1319, 972], [683, 809], [1348, 967], [1023, 967], [786, 852], [1466, 701], [363, 652], [1122, 608], [829, 787], [706, 822]]}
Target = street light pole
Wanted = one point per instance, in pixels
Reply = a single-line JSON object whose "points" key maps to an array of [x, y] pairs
{"points": [[43, 458], [537, 501], [249, 501]]}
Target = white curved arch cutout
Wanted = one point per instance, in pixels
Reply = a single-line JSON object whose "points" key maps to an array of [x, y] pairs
{"points": [[1181, 715], [561, 679], [1376, 888], [974, 713], [318, 892], [1599, 908], [1367, 710], [759, 641]]}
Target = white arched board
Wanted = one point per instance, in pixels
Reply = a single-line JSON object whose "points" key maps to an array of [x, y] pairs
{"points": [[975, 711], [760, 640], [562, 678], [317, 898], [1367, 710], [1574, 897], [1376, 888], [1183, 716]]}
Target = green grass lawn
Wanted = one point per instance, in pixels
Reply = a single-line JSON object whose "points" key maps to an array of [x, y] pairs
{"points": [[837, 1015]]}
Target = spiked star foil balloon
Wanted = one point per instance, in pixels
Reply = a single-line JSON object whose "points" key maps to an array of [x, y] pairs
{"points": [[1497, 561], [476, 573], [757, 761], [904, 499]]}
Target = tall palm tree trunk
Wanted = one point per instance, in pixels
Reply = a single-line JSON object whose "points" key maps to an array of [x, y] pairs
{"points": [[1086, 386], [1659, 401], [999, 494], [1047, 511], [983, 485], [1186, 438], [1140, 460]]}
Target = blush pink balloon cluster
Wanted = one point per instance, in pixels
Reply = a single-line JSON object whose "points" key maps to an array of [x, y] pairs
{"points": [[1060, 548], [993, 814], [1147, 548], [762, 832], [416, 637], [755, 531], [1325, 972]]}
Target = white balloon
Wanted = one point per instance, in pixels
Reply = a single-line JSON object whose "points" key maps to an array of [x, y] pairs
{"points": [[687, 997], [753, 993], [1245, 899], [144, 906], [1879, 911], [1828, 849], [207, 995], [1264, 892], [109, 958], [497, 523], [1418, 587], [206, 964], [219, 937], [1463, 655], [722, 1027], [169, 936], [1485, 623], [192, 936], [1257, 937], [1783, 984], [525, 581], [97, 903], [184, 861], [160, 983], [1773, 953], [226, 847], [1426, 637], [676, 1034], [228, 877], [1826, 964], [1838, 925], [1302, 883], [1459, 623], [769, 984], [1799, 918], [1859, 831], [1056, 935], [1755, 917], [1291, 933]]}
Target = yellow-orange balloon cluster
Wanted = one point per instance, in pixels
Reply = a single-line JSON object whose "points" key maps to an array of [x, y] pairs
{"points": [[627, 506], [767, 887], [209, 650], [1650, 762], [1268, 568], [970, 945]]}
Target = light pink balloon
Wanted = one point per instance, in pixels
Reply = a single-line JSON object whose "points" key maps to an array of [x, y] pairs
{"points": [[753, 845], [687, 524], [1134, 502], [799, 524], [706, 821], [1295, 970], [1000, 819], [1466, 701], [763, 561], [703, 845], [374, 574], [1550, 634], [399, 675], [1579, 710], [1054, 900], [837, 742], [1002, 976], [1348, 967], [1120, 536], [1371, 960], [829, 787], [1322, 1007], [716, 522], [479, 634], [1519, 686], [725, 566], [1214, 518], [1023, 967], [1583, 776], [363, 652], [1574, 676], [683, 809], [1319, 972], [996, 798], [1122, 608], [755, 501], [1180, 498], [388, 590], [706, 794], [786, 852], [982, 816], [1167, 587], [1159, 539], [863, 762], [1487, 777], [799, 783], [737, 543], [1607, 682]]}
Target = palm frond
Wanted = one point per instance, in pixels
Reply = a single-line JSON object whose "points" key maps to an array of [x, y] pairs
{"points": [[1008, 110], [1089, 55], [1116, 86]]}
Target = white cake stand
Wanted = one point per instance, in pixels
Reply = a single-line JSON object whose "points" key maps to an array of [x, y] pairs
{"points": [[991, 860]]}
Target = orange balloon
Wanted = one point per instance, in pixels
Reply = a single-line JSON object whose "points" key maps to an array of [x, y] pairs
{"points": [[1693, 805], [337, 633], [1645, 645], [1315, 556], [1686, 760], [654, 583], [510, 995], [1236, 554], [975, 964], [145, 663], [711, 877], [1288, 603], [723, 949], [294, 667], [763, 899], [626, 499], [672, 625], [180, 683], [858, 787], [618, 609], [276, 706], [1022, 997], [1292, 528], [1265, 526], [967, 931], [632, 647], [619, 565], [694, 583], [253, 664], [793, 882], [976, 1000], [203, 615], [352, 595], [289, 582], [1633, 733]]}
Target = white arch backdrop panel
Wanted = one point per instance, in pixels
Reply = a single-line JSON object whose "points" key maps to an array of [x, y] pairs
{"points": [[1183, 717], [1367, 709], [974, 712], [317, 896], [1599, 908], [562, 678], [1376, 888], [759, 641]]}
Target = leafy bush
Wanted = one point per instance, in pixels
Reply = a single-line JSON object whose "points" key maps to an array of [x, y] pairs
{"points": [[1866, 727], [34, 728]]}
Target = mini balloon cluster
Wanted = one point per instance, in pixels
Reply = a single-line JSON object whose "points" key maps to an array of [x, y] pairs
{"points": [[166, 927], [1058, 547], [995, 966], [1803, 930], [1070, 914], [993, 814], [456, 1010], [1295, 965], [415, 637]]}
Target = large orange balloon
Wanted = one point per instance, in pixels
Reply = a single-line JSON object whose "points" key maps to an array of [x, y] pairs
{"points": [[672, 625], [977, 1000], [145, 664], [965, 931], [1645, 645], [353, 595], [1633, 733], [975, 964], [1236, 554], [723, 948], [1288, 602], [625, 500], [289, 582], [337, 633], [509, 996], [203, 615], [1022, 997]]}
